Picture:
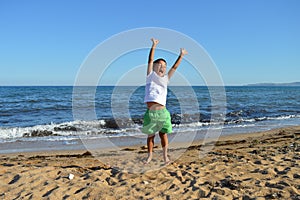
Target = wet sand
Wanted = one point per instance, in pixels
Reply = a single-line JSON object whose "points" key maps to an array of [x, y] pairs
{"points": [[262, 165]]}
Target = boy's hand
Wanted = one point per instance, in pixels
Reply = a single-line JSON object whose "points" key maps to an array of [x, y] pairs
{"points": [[183, 52], [154, 41]]}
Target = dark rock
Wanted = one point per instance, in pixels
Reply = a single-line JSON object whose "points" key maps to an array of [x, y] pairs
{"points": [[111, 124], [176, 119], [39, 133], [65, 128]]}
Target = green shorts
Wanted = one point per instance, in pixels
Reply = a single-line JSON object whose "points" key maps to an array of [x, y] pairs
{"points": [[157, 121]]}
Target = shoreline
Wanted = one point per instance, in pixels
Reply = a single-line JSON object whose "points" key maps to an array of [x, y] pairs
{"points": [[117, 143], [262, 165]]}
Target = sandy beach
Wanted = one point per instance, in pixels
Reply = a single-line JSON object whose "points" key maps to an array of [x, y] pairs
{"points": [[263, 165]]}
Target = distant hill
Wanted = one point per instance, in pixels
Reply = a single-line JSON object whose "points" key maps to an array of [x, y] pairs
{"points": [[275, 84]]}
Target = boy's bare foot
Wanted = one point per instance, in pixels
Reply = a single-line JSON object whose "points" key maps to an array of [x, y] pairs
{"points": [[148, 159], [166, 159], [167, 162]]}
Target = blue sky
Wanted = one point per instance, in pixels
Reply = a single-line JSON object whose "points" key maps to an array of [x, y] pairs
{"points": [[46, 42]]}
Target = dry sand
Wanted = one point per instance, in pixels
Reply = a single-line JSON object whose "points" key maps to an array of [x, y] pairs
{"points": [[261, 165]]}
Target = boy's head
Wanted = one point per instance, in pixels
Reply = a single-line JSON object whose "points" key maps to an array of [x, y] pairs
{"points": [[159, 66]]}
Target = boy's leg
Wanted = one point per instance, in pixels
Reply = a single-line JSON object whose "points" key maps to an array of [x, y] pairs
{"points": [[164, 144], [150, 144]]}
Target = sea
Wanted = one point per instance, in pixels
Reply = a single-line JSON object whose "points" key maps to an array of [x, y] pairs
{"points": [[67, 113]]}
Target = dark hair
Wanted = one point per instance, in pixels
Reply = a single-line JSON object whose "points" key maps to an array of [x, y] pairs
{"points": [[160, 59]]}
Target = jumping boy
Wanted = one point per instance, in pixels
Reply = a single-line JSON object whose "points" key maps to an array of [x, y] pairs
{"points": [[157, 118]]}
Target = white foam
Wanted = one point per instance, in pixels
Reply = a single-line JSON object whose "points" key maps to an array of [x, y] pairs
{"points": [[6, 133], [96, 129]]}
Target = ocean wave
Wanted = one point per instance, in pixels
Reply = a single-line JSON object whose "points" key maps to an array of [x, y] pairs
{"points": [[121, 127]]}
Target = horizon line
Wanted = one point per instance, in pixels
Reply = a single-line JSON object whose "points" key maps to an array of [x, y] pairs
{"points": [[245, 85]]}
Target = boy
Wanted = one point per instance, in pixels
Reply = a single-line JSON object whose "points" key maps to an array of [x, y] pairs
{"points": [[157, 118]]}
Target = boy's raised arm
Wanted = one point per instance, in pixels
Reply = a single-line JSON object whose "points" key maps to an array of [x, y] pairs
{"points": [[151, 55], [177, 62]]}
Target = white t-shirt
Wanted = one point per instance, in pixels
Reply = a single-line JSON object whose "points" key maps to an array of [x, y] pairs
{"points": [[156, 88]]}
